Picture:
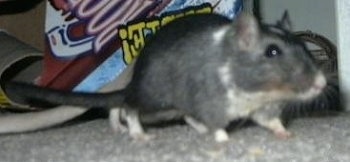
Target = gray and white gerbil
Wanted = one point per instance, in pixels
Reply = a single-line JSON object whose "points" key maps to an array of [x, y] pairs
{"points": [[210, 69]]}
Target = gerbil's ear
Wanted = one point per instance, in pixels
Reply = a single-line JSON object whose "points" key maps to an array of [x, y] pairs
{"points": [[285, 22], [247, 31]]}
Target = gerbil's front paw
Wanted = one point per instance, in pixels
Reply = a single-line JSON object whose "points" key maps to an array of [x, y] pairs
{"points": [[275, 125], [221, 136], [278, 129], [283, 134]]}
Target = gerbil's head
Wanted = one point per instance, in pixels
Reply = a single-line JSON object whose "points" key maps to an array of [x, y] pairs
{"points": [[270, 60]]}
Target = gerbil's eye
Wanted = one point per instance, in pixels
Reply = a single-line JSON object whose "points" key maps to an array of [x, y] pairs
{"points": [[272, 51]]}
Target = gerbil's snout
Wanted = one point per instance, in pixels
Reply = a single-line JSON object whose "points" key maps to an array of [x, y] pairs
{"points": [[316, 88]]}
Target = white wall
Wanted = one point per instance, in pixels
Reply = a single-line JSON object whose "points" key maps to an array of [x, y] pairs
{"points": [[315, 15], [343, 21]]}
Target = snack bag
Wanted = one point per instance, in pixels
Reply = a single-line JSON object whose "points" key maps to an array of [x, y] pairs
{"points": [[90, 42]]}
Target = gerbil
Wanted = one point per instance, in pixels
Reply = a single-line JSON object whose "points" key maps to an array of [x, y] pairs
{"points": [[213, 71]]}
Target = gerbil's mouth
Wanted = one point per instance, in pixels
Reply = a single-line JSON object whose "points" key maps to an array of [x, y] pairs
{"points": [[315, 89]]}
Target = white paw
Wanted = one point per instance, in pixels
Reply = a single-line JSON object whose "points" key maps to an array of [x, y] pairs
{"points": [[221, 136]]}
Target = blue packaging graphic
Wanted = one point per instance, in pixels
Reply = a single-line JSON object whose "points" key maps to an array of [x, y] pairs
{"points": [[89, 42]]}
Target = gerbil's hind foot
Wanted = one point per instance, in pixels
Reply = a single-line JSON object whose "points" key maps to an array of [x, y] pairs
{"points": [[135, 128], [220, 135], [116, 116], [133, 125]]}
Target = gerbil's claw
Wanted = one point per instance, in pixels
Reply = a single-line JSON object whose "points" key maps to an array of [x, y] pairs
{"points": [[221, 136], [283, 134]]}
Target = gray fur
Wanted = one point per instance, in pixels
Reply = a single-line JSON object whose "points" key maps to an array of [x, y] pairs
{"points": [[213, 70]]}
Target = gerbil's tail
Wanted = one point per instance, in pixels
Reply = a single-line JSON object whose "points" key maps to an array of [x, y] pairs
{"points": [[25, 93]]}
